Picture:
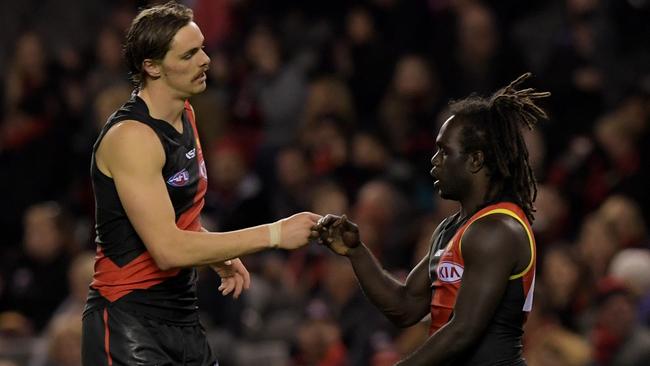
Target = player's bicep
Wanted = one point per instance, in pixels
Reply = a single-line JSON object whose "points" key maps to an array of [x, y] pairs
{"points": [[418, 290], [134, 156], [418, 282]]}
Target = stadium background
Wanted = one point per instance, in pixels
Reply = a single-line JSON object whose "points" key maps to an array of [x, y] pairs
{"points": [[332, 106]]}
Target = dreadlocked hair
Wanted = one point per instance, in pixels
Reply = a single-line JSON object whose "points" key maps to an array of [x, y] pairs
{"points": [[493, 126]]}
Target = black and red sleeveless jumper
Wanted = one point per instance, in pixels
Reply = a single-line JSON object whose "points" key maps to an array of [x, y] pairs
{"points": [[125, 273], [501, 341]]}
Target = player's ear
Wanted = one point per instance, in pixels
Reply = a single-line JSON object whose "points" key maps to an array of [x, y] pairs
{"points": [[476, 161], [152, 68]]}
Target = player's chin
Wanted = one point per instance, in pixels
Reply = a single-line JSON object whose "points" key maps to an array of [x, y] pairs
{"points": [[197, 88], [448, 195]]}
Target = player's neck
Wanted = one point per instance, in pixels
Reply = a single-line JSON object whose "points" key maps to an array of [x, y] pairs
{"points": [[162, 104], [475, 198]]}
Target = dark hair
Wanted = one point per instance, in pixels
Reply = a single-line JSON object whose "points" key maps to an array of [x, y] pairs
{"points": [[493, 126], [151, 34]]}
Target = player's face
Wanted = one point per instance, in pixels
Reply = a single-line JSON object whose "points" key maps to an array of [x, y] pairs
{"points": [[185, 64], [450, 173]]}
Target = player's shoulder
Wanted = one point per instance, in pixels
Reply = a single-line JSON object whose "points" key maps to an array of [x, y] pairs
{"points": [[496, 232], [130, 139], [131, 134], [130, 129], [496, 223]]}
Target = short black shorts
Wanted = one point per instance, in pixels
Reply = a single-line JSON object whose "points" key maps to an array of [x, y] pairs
{"points": [[115, 337]]}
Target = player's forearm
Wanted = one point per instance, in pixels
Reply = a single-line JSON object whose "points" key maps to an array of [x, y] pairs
{"points": [[188, 248], [385, 292]]}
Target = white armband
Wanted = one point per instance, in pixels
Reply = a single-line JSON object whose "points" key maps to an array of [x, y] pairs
{"points": [[275, 234]]}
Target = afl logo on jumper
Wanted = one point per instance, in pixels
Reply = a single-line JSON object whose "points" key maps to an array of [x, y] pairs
{"points": [[179, 179], [449, 272], [190, 154]]}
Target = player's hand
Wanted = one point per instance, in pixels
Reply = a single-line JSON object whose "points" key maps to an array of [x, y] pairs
{"points": [[338, 233], [234, 277], [296, 230]]}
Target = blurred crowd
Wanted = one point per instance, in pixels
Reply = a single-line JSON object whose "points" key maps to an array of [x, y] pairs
{"points": [[333, 107]]}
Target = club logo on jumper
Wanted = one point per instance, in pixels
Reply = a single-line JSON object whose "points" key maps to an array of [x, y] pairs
{"points": [[190, 154], [449, 272], [179, 179]]}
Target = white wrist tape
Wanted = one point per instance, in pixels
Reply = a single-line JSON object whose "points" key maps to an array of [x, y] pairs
{"points": [[275, 233]]}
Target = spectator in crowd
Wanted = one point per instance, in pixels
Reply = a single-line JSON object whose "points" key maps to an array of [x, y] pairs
{"points": [[617, 338], [35, 279]]}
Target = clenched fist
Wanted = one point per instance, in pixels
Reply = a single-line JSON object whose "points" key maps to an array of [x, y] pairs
{"points": [[338, 233]]}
